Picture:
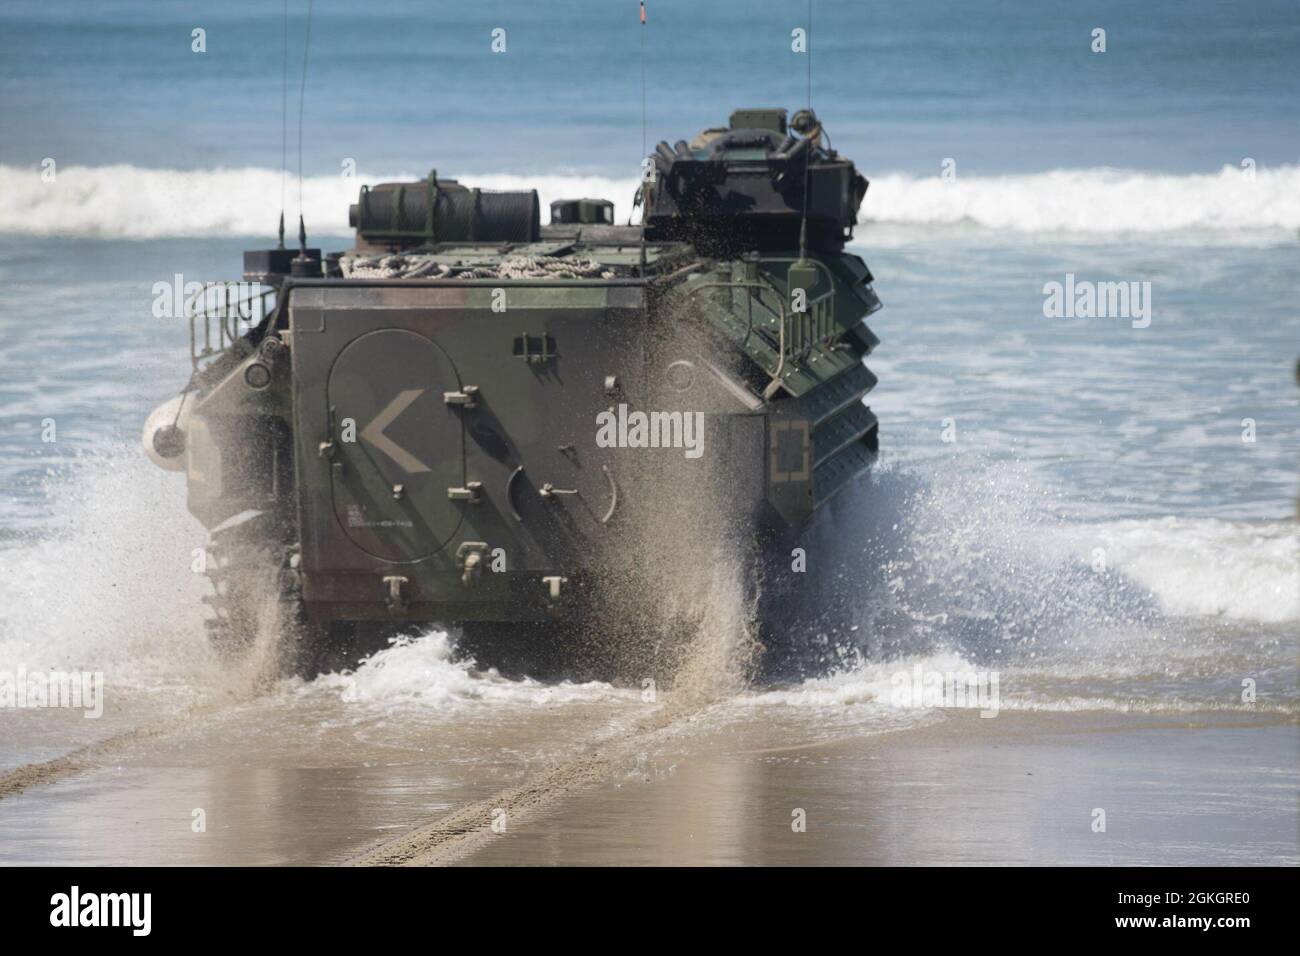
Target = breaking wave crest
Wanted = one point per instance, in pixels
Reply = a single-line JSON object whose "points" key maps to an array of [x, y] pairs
{"points": [[1094, 201], [129, 202], [1237, 571]]}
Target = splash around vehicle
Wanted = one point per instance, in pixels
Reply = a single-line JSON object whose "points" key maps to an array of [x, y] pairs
{"points": [[471, 418]]}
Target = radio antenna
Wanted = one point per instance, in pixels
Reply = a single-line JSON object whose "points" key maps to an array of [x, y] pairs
{"points": [[284, 120], [807, 156], [644, 197], [302, 96]]}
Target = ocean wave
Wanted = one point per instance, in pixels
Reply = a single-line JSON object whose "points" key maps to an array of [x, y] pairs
{"points": [[1094, 201], [1205, 567], [129, 202]]}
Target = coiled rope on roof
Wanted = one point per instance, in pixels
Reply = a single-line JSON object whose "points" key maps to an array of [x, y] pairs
{"points": [[404, 266]]}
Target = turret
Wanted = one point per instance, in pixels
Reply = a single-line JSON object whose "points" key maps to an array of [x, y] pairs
{"points": [[752, 184]]}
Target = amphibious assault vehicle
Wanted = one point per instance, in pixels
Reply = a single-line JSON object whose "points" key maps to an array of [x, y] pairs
{"points": [[476, 419]]}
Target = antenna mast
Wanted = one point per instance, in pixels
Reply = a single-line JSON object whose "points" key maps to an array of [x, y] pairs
{"points": [[644, 197], [284, 119], [807, 156], [302, 96]]}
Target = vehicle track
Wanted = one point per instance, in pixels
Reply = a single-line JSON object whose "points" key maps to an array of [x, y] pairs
{"points": [[93, 755], [22, 778], [467, 829]]}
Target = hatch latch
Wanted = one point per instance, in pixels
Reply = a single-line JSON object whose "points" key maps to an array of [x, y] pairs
{"points": [[467, 397], [469, 493]]}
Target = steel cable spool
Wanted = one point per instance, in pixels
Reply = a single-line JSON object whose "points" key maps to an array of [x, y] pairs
{"points": [[434, 210], [508, 217]]}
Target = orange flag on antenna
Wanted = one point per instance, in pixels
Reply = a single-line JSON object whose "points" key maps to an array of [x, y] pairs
{"points": [[643, 11]]}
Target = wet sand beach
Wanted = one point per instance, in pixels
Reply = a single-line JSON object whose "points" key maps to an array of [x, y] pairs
{"points": [[716, 787]]}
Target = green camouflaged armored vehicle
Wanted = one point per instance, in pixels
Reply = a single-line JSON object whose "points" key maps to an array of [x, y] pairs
{"points": [[475, 419]]}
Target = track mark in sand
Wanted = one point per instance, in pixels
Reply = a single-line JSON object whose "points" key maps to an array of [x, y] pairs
{"points": [[14, 782], [19, 779], [92, 756], [468, 829], [248, 682]]}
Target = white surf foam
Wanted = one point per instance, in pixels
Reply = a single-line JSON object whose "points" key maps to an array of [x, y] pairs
{"points": [[866, 683], [135, 203], [423, 671], [884, 695]]}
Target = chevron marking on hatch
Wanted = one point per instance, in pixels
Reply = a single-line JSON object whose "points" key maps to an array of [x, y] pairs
{"points": [[374, 432]]}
